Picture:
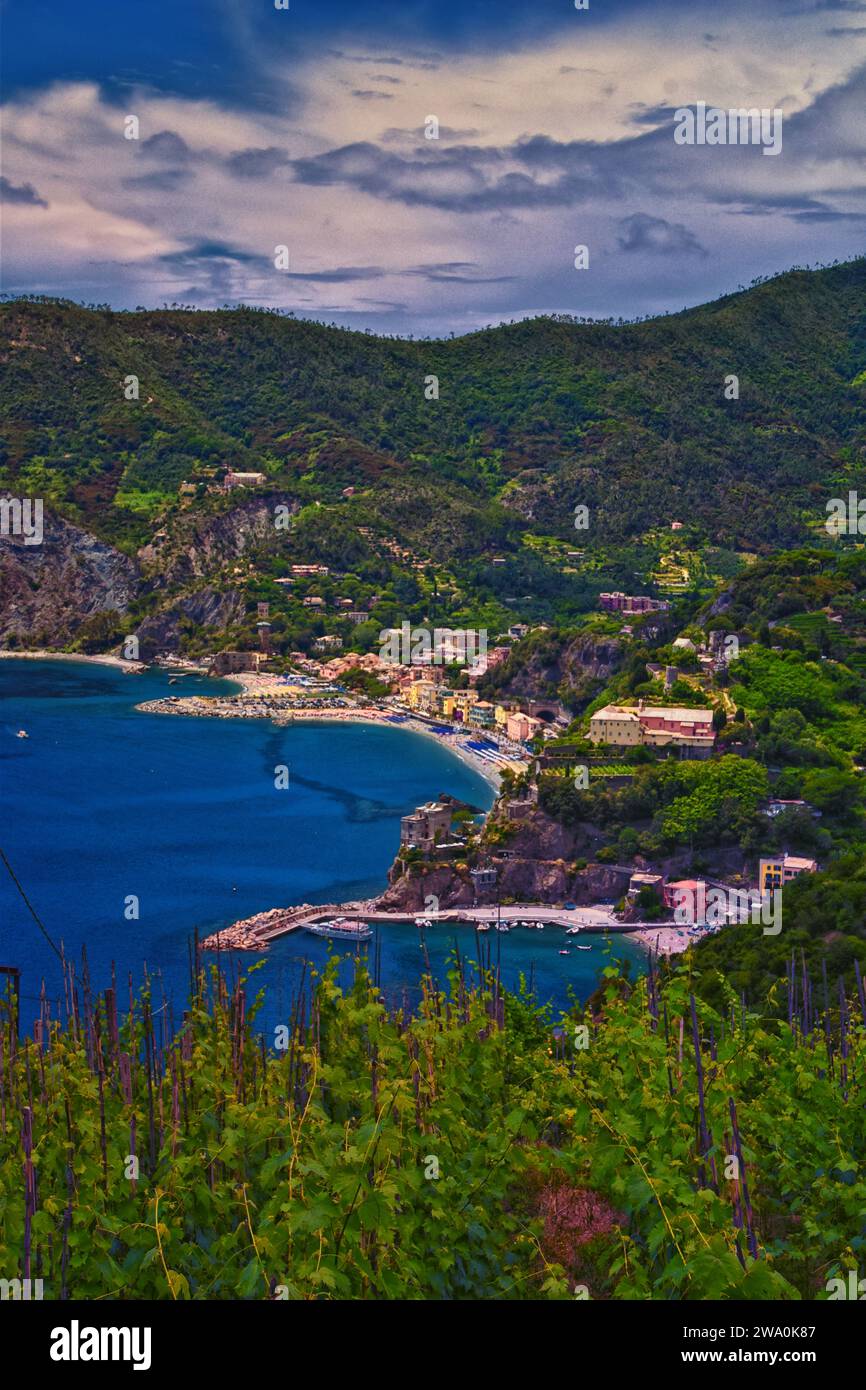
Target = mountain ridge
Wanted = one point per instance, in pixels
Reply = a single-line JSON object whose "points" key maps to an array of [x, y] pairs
{"points": [[532, 419]]}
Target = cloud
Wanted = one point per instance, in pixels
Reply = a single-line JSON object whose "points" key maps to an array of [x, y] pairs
{"points": [[167, 145], [208, 251], [575, 145], [23, 193], [339, 275], [367, 95], [160, 181], [425, 62], [641, 232], [455, 272], [257, 164]]}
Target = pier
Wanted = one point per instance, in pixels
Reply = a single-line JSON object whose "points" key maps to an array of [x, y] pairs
{"points": [[256, 933]]}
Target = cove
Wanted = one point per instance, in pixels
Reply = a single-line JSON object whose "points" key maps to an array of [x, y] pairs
{"points": [[102, 802]]}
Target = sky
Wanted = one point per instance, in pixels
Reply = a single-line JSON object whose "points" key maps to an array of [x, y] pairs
{"points": [[308, 129]]}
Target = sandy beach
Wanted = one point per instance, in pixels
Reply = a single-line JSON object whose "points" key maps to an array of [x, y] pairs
{"points": [[665, 941], [100, 660]]}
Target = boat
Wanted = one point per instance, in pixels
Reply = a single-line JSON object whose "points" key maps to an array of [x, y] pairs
{"points": [[565, 953], [503, 928], [340, 929], [423, 922], [573, 931], [583, 948], [539, 926], [22, 733], [482, 926]]}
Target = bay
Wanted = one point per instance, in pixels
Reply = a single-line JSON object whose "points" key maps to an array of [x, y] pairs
{"points": [[102, 803]]}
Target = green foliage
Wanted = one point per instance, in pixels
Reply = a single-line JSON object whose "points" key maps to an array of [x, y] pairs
{"points": [[378, 1156], [719, 794]]}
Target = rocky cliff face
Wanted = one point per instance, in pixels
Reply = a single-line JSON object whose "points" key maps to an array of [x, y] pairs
{"points": [[198, 545], [47, 591], [525, 880], [161, 632], [577, 668], [534, 858]]}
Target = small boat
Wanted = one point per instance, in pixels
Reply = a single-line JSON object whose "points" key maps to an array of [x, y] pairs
{"points": [[539, 926], [423, 922], [584, 948], [503, 928], [565, 953], [482, 926], [339, 929], [173, 680], [22, 733]]}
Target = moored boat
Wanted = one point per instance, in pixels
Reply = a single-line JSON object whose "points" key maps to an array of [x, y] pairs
{"points": [[341, 929]]}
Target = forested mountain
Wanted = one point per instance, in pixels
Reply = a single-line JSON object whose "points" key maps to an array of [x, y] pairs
{"points": [[532, 419], [630, 418]]}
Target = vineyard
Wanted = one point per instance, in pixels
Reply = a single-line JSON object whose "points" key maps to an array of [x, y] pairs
{"points": [[647, 1147]]}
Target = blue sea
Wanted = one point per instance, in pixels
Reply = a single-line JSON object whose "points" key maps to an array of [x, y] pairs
{"points": [[102, 803]]}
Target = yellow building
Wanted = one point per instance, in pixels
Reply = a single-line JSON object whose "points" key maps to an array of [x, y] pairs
{"points": [[776, 872], [458, 702], [615, 724], [661, 726], [422, 696]]}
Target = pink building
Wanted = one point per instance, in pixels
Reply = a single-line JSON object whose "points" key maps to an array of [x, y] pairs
{"points": [[672, 719]]}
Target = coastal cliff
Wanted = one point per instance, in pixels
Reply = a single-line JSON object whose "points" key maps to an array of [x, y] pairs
{"points": [[74, 587], [545, 664], [536, 860], [50, 591]]}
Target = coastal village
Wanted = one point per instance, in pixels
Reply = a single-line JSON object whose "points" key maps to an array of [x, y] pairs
{"points": [[452, 856]]}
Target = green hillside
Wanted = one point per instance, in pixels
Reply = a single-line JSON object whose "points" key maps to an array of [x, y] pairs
{"points": [[654, 1148], [630, 419]]}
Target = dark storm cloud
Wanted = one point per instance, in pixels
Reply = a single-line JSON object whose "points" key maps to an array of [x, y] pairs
{"points": [[461, 178], [257, 163], [208, 251], [456, 272], [640, 232], [21, 193], [543, 172], [166, 144], [160, 181], [340, 275]]}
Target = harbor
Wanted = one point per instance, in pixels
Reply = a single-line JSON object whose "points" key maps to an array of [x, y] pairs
{"points": [[257, 932]]}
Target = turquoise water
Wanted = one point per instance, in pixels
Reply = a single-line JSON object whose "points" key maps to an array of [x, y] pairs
{"points": [[101, 803]]}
